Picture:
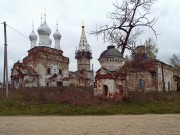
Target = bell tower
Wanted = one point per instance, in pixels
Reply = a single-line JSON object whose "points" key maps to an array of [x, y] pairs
{"points": [[83, 54]]}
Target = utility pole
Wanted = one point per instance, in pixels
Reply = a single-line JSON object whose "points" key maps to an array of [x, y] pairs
{"points": [[5, 76]]}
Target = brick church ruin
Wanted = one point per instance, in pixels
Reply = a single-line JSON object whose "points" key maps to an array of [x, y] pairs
{"points": [[149, 75], [46, 66]]}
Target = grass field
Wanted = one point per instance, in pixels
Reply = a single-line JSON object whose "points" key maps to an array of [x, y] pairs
{"points": [[80, 101]]}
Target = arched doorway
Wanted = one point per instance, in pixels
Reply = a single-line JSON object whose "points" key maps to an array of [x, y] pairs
{"points": [[59, 84], [105, 90]]}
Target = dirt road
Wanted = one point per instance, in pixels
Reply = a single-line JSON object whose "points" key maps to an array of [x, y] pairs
{"points": [[91, 125]]}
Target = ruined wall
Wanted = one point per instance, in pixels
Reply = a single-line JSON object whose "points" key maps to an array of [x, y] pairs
{"points": [[152, 80], [54, 67], [71, 81], [83, 63], [134, 78], [23, 76], [168, 78], [30, 81], [110, 83], [42, 58]]}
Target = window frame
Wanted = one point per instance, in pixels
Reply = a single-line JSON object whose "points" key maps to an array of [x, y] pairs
{"points": [[141, 84]]}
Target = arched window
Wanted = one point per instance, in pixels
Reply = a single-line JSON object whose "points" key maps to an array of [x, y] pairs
{"points": [[141, 84], [60, 71], [48, 70]]}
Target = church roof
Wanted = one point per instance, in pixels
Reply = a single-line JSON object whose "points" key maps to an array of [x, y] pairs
{"points": [[24, 69], [83, 44], [57, 35], [110, 53], [107, 74], [44, 28], [33, 36]]}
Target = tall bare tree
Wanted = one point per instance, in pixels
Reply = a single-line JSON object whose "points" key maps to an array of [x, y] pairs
{"points": [[126, 23], [175, 62]]}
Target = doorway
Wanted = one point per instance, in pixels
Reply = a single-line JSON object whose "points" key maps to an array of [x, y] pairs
{"points": [[168, 86], [105, 90], [59, 84], [178, 86]]}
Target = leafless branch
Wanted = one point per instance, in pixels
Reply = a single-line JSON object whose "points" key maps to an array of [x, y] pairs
{"points": [[126, 23]]}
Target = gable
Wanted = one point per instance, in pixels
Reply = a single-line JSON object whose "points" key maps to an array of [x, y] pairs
{"points": [[103, 71]]}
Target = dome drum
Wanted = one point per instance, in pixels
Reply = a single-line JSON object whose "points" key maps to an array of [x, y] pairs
{"points": [[111, 58]]}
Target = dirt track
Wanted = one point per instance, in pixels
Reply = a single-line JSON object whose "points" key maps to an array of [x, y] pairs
{"points": [[91, 125]]}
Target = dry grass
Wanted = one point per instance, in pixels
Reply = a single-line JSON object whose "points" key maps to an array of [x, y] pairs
{"points": [[140, 97], [83, 96], [78, 96], [80, 101]]}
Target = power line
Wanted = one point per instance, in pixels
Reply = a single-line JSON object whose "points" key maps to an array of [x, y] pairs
{"points": [[18, 32]]}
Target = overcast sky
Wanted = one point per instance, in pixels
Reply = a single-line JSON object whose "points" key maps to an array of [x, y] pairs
{"points": [[19, 15]]}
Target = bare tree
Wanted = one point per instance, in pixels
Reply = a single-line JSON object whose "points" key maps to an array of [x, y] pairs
{"points": [[151, 49], [127, 63], [126, 23], [148, 51], [175, 62]]}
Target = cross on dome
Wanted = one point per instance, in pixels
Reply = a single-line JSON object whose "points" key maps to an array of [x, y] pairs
{"points": [[32, 25], [56, 24], [44, 31], [41, 18], [45, 15], [82, 23], [57, 37], [33, 37], [56, 34]]}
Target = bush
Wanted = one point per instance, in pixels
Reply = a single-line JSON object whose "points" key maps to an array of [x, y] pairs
{"points": [[140, 97], [78, 96], [80, 101]]}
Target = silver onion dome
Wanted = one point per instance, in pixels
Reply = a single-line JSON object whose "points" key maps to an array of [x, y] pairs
{"points": [[33, 36], [44, 29], [47, 29], [41, 30], [57, 35]]}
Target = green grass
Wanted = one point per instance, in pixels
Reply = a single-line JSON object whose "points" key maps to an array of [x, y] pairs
{"points": [[14, 107]]}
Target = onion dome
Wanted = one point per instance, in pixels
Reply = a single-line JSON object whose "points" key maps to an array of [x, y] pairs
{"points": [[33, 36], [57, 35], [41, 30], [47, 29], [44, 29]]}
